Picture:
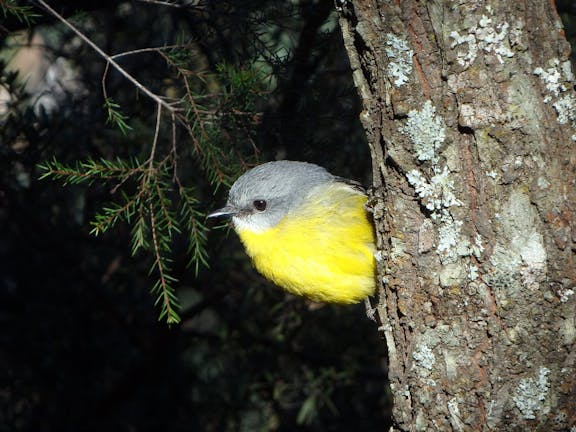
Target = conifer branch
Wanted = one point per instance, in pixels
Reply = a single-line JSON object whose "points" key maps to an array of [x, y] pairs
{"points": [[162, 207], [166, 295]]}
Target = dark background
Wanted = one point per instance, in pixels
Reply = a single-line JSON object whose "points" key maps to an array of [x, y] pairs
{"points": [[81, 347]]}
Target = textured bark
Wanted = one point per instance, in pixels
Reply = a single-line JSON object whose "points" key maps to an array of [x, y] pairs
{"points": [[470, 112]]}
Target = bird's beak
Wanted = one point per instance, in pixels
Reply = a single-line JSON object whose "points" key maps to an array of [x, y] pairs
{"points": [[226, 211]]}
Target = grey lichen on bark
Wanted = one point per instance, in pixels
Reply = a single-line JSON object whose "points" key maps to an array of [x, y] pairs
{"points": [[470, 112]]}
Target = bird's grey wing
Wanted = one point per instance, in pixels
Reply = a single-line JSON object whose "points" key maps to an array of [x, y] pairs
{"points": [[353, 183]]}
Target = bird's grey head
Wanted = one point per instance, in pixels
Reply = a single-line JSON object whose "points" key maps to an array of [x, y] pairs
{"points": [[261, 197]]}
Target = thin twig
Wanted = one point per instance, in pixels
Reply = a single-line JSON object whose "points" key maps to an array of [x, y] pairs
{"points": [[109, 59], [125, 178], [143, 50], [102, 225], [163, 3], [174, 151], [155, 141], [104, 75]]}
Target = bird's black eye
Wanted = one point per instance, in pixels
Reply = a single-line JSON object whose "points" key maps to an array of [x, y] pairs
{"points": [[260, 205]]}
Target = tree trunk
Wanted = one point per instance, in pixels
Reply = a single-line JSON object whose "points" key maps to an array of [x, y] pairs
{"points": [[470, 112]]}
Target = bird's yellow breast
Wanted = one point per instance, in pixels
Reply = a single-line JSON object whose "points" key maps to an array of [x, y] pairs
{"points": [[323, 249]]}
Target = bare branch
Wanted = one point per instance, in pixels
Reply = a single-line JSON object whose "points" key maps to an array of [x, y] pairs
{"points": [[163, 3], [108, 58], [155, 141], [144, 50]]}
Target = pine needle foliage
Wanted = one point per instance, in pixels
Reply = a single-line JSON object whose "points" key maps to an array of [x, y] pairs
{"points": [[115, 116], [149, 194], [25, 14], [157, 211]]}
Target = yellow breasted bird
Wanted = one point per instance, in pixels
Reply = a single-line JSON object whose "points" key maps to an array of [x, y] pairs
{"points": [[305, 229]]}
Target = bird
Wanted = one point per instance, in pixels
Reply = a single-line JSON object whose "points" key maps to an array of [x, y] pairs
{"points": [[305, 229]]}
